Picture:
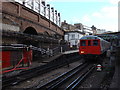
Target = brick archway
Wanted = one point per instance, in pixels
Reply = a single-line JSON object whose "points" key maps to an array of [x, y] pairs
{"points": [[30, 30]]}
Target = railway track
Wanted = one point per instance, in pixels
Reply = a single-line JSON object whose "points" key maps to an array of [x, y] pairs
{"points": [[28, 74], [65, 77], [80, 79]]}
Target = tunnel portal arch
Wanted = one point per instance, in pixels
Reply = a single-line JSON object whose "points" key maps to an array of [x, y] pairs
{"points": [[30, 30]]}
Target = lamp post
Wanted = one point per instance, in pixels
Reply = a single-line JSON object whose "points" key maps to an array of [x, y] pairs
{"points": [[56, 16], [43, 3], [39, 6], [52, 13], [48, 7], [59, 18]]}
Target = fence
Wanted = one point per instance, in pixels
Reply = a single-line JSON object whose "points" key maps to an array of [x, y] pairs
{"points": [[15, 57]]}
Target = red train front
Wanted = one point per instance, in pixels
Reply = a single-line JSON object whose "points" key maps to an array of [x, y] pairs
{"points": [[93, 46]]}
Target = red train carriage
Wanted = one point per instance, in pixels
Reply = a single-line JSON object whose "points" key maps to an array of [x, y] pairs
{"points": [[92, 46]]}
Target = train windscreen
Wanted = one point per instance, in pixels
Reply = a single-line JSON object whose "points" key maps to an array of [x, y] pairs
{"points": [[83, 43]]}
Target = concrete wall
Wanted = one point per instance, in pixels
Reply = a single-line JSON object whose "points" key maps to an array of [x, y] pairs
{"points": [[10, 27]]}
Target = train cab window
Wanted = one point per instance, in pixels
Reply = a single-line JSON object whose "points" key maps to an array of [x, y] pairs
{"points": [[89, 42], [95, 42], [83, 43]]}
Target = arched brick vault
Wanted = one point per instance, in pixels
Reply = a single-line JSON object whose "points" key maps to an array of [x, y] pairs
{"points": [[39, 29], [30, 30]]}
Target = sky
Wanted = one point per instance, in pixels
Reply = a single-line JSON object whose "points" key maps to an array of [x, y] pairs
{"points": [[103, 14]]}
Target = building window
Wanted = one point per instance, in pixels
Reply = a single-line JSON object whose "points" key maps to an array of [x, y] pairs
{"points": [[73, 36]]}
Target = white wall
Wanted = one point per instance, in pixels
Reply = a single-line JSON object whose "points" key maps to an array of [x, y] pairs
{"points": [[73, 38]]}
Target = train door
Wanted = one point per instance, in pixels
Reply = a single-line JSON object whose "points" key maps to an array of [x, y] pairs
{"points": [[89, 44], [95, 47]]}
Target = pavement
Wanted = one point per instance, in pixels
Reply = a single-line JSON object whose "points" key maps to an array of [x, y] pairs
{"points": [[44, 61], [48, 59]]}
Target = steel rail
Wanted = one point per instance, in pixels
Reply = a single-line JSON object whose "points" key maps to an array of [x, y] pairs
{"points": [[29, 74], [62, 78], [80, 79]]}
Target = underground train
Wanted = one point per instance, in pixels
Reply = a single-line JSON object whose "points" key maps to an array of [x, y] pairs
{"points": [[93, 46]]}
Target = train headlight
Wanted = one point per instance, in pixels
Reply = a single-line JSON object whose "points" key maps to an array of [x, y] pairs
{"points": [[82, 51]]}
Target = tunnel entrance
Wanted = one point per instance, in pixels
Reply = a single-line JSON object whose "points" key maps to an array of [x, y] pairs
{"points": [[30, 30]]}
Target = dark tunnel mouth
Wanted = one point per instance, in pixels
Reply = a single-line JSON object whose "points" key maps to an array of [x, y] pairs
{"points": [[31, 31]]}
